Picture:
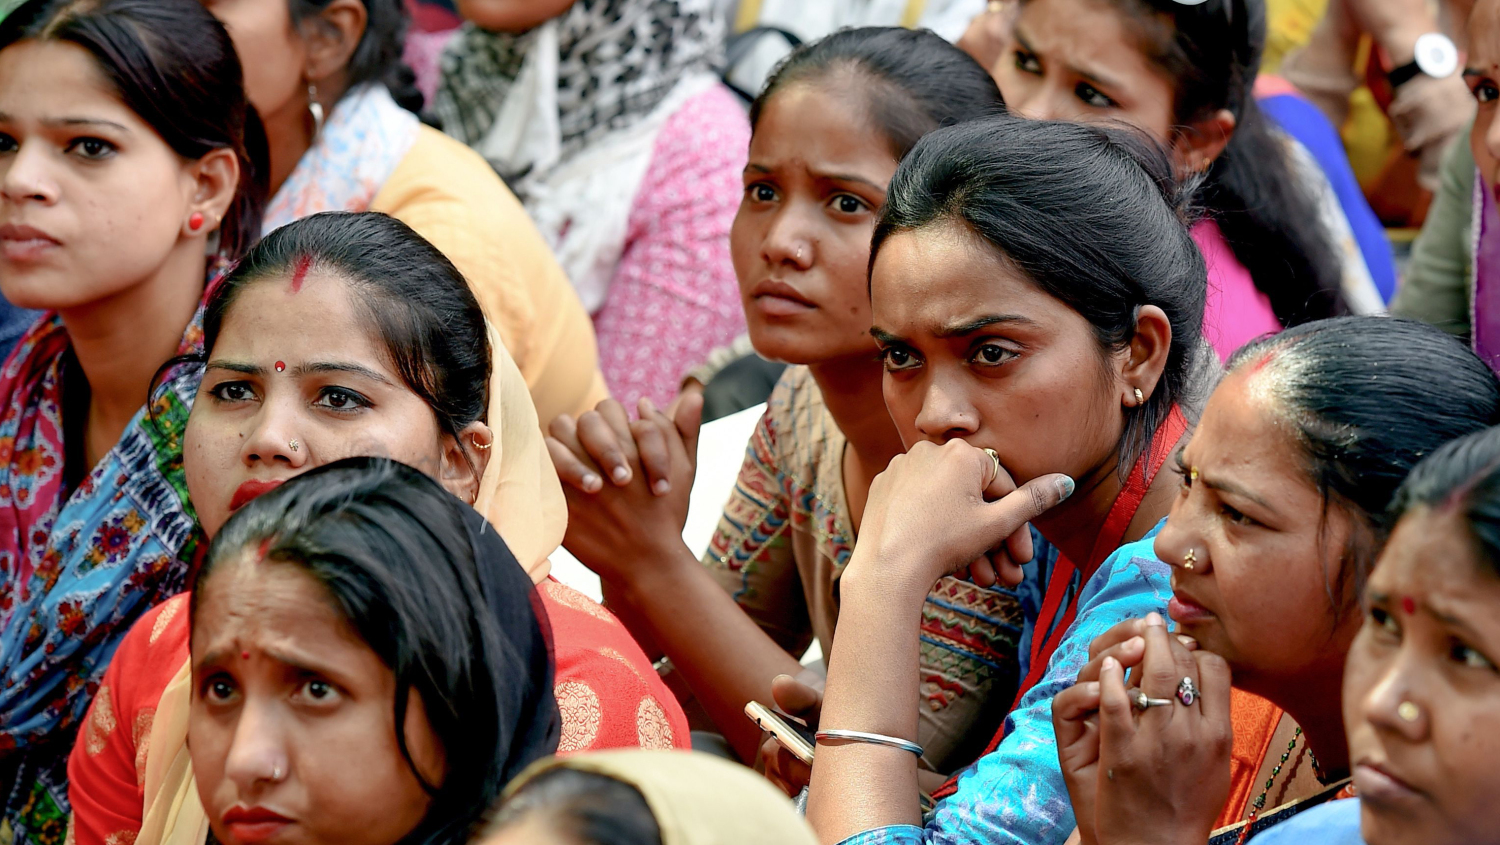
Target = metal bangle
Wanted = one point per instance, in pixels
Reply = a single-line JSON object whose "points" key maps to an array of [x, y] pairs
{"points": [[872, 739]]}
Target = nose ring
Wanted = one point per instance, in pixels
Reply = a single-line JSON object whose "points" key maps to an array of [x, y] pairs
{"points": [[1408, 712], [1189, 560], [275, 773], [294, 445], [799, 254]]}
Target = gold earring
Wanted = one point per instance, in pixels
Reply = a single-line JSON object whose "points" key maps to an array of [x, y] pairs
{"points": [[1140, 398], [1189, 560], [483, 447]]}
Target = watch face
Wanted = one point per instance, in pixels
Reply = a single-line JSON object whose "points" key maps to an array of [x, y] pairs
{"points": [[1436, 55]]}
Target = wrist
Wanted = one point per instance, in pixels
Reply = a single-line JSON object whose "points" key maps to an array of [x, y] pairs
{"points": [[655, 569], [885, 579]]}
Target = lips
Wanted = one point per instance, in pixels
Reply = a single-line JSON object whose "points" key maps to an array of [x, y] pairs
{"points": [[251, 490], [1185, 610], [25, 243], [254, 824], [779, 299], [1378, 783]]}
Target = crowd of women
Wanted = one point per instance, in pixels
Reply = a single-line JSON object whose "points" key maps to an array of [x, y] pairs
{"points": [[1120, 508]]}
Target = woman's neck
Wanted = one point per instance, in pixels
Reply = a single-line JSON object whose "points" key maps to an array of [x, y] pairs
{"points": [[851, 389], [1314, 699], [120, 342], [289, 135]]}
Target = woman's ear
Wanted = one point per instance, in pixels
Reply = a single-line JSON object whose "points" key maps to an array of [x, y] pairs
{"points": [[1201, 142], [213, 181], [332, 36], [1141, 369], [465, 459]]}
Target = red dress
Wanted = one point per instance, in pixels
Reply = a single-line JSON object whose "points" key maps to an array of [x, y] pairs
{"points": [[606, 690]]}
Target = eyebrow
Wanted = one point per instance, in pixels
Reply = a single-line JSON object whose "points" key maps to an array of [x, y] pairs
{"points": [[304, 370], [226, 656], [834, 177], [74, 121], [1101, 79], [1238, 490], [1473, 73], [953, 330]]}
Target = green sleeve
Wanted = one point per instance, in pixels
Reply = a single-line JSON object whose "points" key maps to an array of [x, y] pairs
{"points": [[1437, 286]]}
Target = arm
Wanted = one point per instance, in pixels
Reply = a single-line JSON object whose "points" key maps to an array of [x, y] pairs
{"points": [[1436, 288]]}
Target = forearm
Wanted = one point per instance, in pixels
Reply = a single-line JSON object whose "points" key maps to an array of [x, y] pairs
{"points": [[725, 658], [1394, 25], [872, 687]]}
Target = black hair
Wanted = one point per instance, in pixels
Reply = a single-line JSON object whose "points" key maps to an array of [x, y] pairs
{"points": [[586, 807], [1212, 51], [434, 592], [1090, 214], [913, 81], [431, 324], [173, 65], [377, 58], [1461, 477], [1367, 398]]}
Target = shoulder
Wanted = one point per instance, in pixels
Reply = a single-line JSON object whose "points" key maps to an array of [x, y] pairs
{"points": [[797, 434], [1133, 574], [1334, 823]]}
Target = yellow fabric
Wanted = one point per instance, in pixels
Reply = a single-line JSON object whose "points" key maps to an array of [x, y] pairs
{"points": [[913, 14], [173, 813], [696, 799], [453, 198]]}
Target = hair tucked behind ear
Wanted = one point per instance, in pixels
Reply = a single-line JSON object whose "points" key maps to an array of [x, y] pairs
{"points": [[173, 65], [378, 56], [910, 81], [1089, 214]]}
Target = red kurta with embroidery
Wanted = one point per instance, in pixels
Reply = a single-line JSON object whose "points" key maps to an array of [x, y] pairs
{"points": [[606, 690]]}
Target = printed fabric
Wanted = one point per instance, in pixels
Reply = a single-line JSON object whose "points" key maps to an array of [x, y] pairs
{"points": [[362, 141], [784, 540], [79, 566]]}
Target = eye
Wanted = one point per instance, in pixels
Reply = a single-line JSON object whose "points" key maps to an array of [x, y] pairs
{"points": [[1485, 90], [318, 691], [850, 204], [897, 358], [232, 391], [218, 689], [1235, 516], [93, 149], [341, 399], [1028, 63], [992, 355], [8, 143], [1385, 622], [1093, 96], [761, 192]]}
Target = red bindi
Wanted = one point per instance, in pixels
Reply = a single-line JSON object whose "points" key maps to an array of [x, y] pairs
{"points": [[299, 272], [265, 546], [280, 366], [1409, 605], [244, 655]]}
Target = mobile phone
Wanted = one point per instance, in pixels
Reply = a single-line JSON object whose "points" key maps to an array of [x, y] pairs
{"points": [[794, 737]]}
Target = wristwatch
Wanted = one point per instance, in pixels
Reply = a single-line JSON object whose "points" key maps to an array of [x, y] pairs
{"points": [[1436, 56]]}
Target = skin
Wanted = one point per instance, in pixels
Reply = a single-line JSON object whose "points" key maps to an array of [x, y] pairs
{"points": [[976, 355], [281, 59], [817, 171], [1482, 73], [292, 712], [531, 829], [127, 271], [339, 396], [1264, 555], [1082, 60], [512, 15], [1431, 780]]}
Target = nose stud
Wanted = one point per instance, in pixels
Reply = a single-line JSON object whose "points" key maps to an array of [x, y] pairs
{"points": [[1189, 560], [294, 445], [1408, 712]]}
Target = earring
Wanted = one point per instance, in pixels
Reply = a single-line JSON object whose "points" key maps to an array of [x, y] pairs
{"points": [[1189, 560], [483, 447], [1140, 398], [1408, 712], [195, 221], [315, 108]]}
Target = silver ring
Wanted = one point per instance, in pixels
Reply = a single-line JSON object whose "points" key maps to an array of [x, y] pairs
{"points": [[1187, 692], [1142, 702]]}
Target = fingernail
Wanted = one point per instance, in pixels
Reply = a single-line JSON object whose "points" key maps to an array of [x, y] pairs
{"points": [[648, 405], [592, 483], [1110, 663], [1154, 618], [1186, 640], [662, 487], [1135, 642], [620, 475], [1064, 487], [1091, 687]]}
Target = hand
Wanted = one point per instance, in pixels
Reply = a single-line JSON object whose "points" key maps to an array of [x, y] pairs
{"points": [[986, 36], [1162, 772], [1075, 714], [616, 529], [802, 697], [937, 510], [1429, 113]]}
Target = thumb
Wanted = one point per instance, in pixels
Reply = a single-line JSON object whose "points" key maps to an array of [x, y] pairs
{"points": [[688, 417], [796, 698], [1010, 513]]}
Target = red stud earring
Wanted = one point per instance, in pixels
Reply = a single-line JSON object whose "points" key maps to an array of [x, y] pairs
{"points": [[195, 222]]}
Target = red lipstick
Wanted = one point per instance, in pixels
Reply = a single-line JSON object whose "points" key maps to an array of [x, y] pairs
{"points": [[254, 824], [251, 490]]}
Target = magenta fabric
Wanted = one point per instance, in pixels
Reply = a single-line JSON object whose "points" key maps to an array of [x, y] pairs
{"points": [[674, 298], [1236, 312]]}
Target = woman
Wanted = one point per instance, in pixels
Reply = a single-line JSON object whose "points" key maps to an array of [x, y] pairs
{"points": [[828, 132], [1282, 510], [1483, 75], [1419, 687], [339, 108], [644, 798], [126, 185], [345, 335], [368, 666], [1279, 252], [609, 120]]}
